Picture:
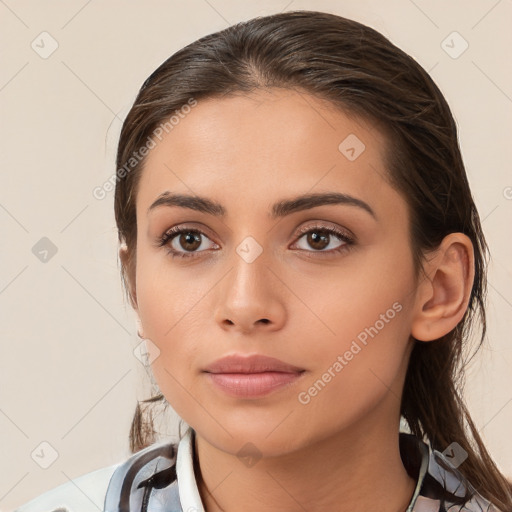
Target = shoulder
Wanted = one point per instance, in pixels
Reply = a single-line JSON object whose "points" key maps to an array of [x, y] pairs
{"points": [[107, 487], [86, 492], [440, 487], [445, 486], [147, 476]]}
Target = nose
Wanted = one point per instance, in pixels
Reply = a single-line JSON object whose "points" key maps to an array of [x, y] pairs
{"points": [[251, 298]]}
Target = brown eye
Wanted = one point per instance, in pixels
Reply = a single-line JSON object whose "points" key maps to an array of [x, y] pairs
{"points": [[189, 240], [321, 237], [318, 241], [183, 242]]}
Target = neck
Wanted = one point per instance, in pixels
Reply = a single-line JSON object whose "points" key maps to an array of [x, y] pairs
{"points": [[355, 469]]}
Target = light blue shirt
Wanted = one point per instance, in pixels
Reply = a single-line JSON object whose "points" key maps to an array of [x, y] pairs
{"points": [[160, 478]]}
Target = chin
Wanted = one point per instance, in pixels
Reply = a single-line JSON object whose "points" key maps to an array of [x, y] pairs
{"points": [[254, 440]]}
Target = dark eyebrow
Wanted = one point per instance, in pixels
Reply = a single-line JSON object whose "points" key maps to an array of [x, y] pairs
{"points": [[279, 209]]}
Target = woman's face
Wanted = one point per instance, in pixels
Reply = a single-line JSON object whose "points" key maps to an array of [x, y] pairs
{"points": [[339, 308]]}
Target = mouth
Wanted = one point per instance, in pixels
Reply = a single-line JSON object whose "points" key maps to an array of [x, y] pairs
{"points": [[252, 385], [255, 363], [251, 376]]}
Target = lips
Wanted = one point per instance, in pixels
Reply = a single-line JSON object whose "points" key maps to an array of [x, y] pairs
{"points": [[251, 377], [251, 364]]}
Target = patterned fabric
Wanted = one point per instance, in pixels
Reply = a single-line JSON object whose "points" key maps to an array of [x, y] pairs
{"points": [[161, 478]]}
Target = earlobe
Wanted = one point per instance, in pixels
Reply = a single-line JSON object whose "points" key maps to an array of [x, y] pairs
{"points": [[128, 266], [140, 329], [443, 295]]}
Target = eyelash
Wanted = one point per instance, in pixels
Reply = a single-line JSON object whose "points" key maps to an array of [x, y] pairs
{"points": [[170, 234]]}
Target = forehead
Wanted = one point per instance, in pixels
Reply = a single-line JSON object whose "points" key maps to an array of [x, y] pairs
{"points": [[274, 142]]}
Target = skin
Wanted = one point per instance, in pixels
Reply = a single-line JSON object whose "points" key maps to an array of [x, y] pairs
{"points": [[248, 152]]}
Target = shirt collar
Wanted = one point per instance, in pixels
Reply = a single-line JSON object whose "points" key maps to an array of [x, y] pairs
{"points": [[161, 478], [189, 493]]}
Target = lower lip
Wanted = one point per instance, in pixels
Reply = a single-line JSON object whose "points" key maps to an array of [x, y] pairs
{"points": [[252, 384]]}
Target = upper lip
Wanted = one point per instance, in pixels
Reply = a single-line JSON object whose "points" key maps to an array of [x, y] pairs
{"points": [[250, 364]]}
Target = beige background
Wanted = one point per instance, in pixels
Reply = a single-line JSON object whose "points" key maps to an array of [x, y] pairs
{"points": [[68, 374]]}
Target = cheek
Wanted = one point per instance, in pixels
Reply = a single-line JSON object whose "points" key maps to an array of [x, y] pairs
{"points": [[170, 322], [369, 321], [368, 343], [360, 368], [372, 290], [169, 300]]}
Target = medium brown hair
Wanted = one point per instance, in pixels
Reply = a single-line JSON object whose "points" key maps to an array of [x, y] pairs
{"points": [[362, 73]]}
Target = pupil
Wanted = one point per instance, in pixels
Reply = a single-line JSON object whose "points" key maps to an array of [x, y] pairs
{"points": [[317, 240], [190, 238]]}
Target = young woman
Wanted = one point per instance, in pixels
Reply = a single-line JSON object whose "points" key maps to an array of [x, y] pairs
{"points": [[306, 261]]}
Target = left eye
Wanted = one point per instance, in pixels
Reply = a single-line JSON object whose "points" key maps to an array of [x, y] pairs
{"points": [[320, 238]]}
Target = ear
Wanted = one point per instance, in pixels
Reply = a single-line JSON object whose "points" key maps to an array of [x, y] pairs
{"points": [[128, 266], [443, 294]]}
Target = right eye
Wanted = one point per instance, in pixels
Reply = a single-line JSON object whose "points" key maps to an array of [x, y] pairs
{"points": [[186, 238]]}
